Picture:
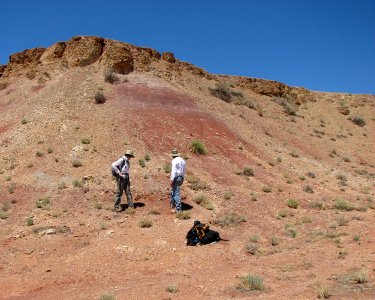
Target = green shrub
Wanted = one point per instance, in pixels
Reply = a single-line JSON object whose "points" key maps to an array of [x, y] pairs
{"points": [[308, 189], [203, 201], [183, 215], [196, 184], [251, 282], [171, 289], [222, 92], [142, 163], [42, 202], [99, 97], [107, 297], [3, 215], [144, 223], [292, 203], [30, 221], [76, 163], [359, 121], [343, 205], [167, 167], [77, 183], [198, 147], [230, 219], [228, 195], [275, 241], [247, 171], [267, 189], [358, 277], [110, 76], [85, 141], [147, 157]]}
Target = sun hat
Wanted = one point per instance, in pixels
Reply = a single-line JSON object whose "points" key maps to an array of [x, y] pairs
{"points": [[129, 153], [175, 153]]}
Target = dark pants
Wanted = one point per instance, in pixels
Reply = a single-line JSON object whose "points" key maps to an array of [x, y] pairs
{"points": [[123, 184]]}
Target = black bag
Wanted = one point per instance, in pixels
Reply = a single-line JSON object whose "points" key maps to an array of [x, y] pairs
{"points": [[201, 234]]}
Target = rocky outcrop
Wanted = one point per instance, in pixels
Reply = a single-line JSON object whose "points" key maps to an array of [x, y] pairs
{"points": [[169, 57], [117, 57], [2, 69], [83, 51], [54, 53], [22, 62]]}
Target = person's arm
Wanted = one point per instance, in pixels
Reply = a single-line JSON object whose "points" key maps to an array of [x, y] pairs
{"points": [[173, 171], [116, 166]]}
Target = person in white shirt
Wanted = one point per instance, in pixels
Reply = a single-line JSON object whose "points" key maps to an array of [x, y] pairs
{"points": [[177, 178], [120, 170]]}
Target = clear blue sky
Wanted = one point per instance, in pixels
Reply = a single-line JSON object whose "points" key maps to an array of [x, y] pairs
{"points": [[322, 45]]}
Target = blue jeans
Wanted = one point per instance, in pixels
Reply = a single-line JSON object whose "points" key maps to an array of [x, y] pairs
{"points": [[175, 193]]}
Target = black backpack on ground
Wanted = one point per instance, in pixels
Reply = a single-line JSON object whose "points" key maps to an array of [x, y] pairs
{"points": [[201, 234]]}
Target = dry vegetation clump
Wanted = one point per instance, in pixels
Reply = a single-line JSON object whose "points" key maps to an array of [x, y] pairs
{"points": [[203, 201], [230, 219]]}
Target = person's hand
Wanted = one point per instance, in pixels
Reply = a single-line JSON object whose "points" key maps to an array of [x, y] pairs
{"points": [[122, 175]]}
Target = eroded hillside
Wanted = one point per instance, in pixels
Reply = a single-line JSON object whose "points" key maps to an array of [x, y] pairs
{"points": [[288, 180]]}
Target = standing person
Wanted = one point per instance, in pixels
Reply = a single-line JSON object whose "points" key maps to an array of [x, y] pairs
{"points": [[177, 178], [120, 169]]}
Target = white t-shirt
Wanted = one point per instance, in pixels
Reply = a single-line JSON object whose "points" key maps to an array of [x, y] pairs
{"points": [[178, 167]]}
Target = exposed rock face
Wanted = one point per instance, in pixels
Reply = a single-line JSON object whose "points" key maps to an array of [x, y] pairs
{"points": [[2, 69], [168, 56], [117, 56], [53, 53], [20, 63], [83, 51]]}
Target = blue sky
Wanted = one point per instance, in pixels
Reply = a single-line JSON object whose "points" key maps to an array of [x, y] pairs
{"points": [[322, 45]]}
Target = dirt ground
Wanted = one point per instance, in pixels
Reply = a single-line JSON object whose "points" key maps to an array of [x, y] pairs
{"points": [[61, 239]]}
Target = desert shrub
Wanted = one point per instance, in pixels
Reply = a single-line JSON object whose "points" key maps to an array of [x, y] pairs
{"points": [[76, 163], [358, 277], [289, 108], [308, 189], [343, 205], [251, 283], [98, 205], [42, 202], [247, 171], [171, 289], [251, 248], [183, 215], [356, 238], [198, 147], [203, 201], [196, 184], [359, 121], [39, 154], [147, 157], [228, 195], [310, 174], [323, 292], [30, 221], [77, 183], [107, 297], [222, 92], [61, 185], [154, 212], [267, 189], [230, 219], [144, 223], [3, 215], [282, 214], [49, 150], [167, 167], [99, 97], [342, 221], [292, 203], [275, 241], [142, 163], [85, 141], [24, 121], [110, 76]]}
